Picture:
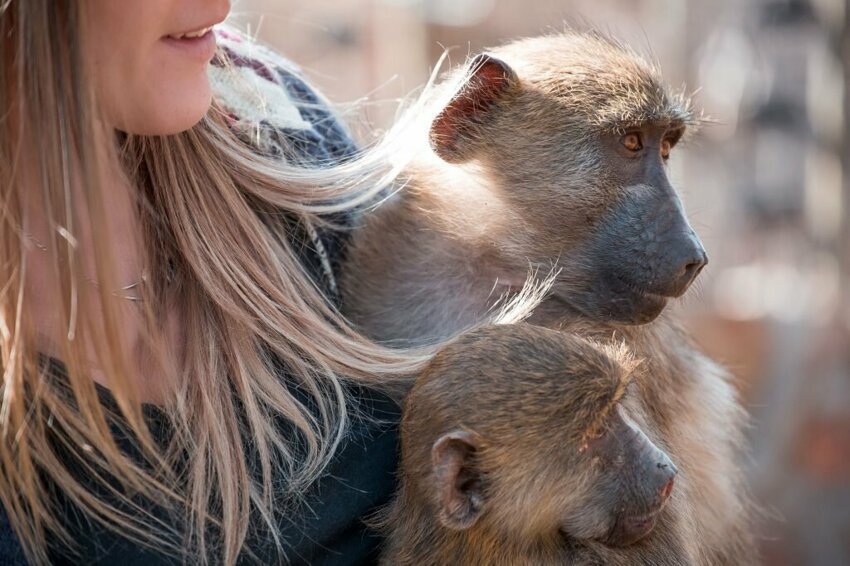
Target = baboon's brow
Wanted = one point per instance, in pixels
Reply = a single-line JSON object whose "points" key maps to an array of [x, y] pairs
{"points": [[604, 406]]}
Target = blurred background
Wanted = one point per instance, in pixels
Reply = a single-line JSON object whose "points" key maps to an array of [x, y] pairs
{"points": [[767, 188]]}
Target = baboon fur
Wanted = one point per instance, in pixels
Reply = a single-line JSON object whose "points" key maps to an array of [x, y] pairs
{"points": [[681, 399], [531, 397], [523, 189], [529, 182]]}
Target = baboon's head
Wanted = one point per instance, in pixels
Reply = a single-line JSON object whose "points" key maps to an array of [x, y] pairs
{"points": [[573, 133], [521, 434]]}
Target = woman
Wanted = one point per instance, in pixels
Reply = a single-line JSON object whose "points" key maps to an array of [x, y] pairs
{"points": [[177, 383]]}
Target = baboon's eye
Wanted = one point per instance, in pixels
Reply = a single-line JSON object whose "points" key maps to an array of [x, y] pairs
{"points": [[666, 146], [632, 141]]}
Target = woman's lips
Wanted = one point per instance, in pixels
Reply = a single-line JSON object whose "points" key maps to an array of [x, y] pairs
{"points": [[191, 34], [199, 44]]}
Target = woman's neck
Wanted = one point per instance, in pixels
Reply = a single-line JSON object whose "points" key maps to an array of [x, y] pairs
{"points": [[120, 236]]}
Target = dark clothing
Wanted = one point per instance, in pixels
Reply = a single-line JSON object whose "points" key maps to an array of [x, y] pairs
{"points": [[10, 551], [328, 528]]}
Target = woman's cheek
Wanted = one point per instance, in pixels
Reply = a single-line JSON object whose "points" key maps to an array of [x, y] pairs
{"points": [[146, 82], [172, 97]]}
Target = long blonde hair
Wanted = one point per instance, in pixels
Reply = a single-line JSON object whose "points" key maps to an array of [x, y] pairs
{"points": [[207, 205]]}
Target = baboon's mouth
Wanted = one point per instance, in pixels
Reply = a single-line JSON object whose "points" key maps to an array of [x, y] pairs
{"points": [[618, 303], [630, 529], [635, 289], [638, 305]]}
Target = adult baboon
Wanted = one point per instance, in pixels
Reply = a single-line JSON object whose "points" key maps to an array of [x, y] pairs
{"points": [[551, 154]]}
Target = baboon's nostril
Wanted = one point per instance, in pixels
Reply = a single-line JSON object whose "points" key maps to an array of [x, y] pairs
{"points": [[664, 493], [692, 269], [688, 271]]}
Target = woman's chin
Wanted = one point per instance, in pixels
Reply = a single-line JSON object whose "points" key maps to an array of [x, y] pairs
{"points": [[175, 110]]}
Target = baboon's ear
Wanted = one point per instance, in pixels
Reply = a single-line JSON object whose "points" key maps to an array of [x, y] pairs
{"points": [[455, 129], [458, 481]]}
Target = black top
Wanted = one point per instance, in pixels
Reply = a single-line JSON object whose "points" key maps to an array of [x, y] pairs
{"points": [[328, 529]]}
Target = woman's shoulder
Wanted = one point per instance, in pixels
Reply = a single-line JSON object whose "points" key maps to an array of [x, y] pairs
{"points": [[273, 109], [269, 102]]}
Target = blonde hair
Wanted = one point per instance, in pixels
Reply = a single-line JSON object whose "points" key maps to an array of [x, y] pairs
{"points": [[213, 246]]}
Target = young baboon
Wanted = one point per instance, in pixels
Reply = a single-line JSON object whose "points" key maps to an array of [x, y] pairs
{"points": [[523, 445], [552, 154]]}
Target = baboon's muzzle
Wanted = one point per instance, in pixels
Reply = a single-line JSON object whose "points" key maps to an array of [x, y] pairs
{"points": [[642, 253], [648, 477]]}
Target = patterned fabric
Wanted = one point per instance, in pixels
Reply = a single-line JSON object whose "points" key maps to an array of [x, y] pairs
{"points": [[277, 113], [271, 108]]}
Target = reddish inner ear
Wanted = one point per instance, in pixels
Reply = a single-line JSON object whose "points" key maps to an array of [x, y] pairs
{"points": [[458, 484], [490, 80], [484, 88]]}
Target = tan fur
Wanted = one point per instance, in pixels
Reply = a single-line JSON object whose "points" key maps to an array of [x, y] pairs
{"points": [[439, 253], [692, 404], [435, 257], [527, 393]]}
